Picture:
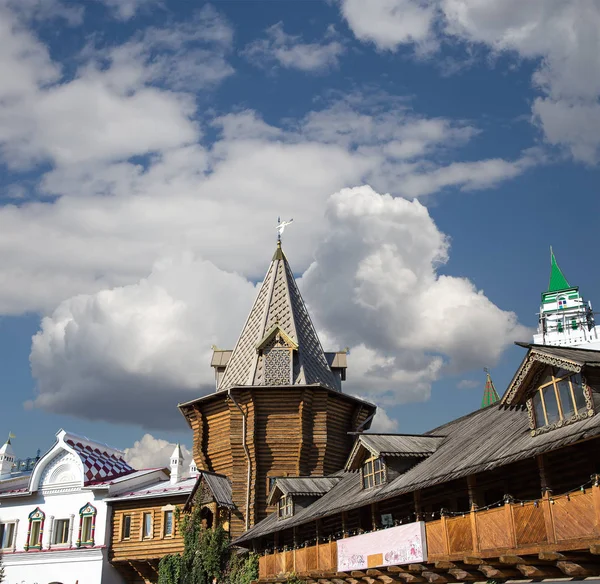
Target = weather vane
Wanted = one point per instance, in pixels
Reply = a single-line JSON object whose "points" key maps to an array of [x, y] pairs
{"points": [[281, 225]]}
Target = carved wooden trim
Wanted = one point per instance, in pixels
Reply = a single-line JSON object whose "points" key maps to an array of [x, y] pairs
{"points": [[517, 387]]}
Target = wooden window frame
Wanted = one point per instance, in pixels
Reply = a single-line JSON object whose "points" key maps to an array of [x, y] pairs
{"points": [[123, 517], [285, 507], [165, 510], [143, 535], [369, 476], [554, 381]]}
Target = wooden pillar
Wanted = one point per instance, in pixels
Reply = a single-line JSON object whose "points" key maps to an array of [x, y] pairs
{"points": [[318, 536], [596, 496], [473, 492], [418, 506], [546, 489], [544, 477], [344, 524], [473, 506], [373, 516]]}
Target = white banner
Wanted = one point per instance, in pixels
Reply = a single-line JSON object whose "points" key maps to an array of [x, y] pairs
{"points": [[404, 544]]}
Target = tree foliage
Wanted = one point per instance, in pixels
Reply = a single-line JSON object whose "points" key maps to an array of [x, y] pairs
{"points": [[1, 569], [207, 557]]}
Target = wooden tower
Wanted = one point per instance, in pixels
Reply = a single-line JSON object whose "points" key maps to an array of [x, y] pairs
{"points": [[278, 409]]}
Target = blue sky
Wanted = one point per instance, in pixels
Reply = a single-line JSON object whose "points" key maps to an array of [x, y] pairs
{"points": [[147, 148]]}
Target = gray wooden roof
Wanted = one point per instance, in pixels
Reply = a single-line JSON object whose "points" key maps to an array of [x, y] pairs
{"points": [[219, 486], [485, 439], [302, 486], [280, 304]]}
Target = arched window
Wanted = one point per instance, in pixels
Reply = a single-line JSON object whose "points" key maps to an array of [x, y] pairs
{"points": [[87, 525], [35, 532]]}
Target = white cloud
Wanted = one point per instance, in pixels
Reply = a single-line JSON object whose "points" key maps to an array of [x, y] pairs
{"points": [[468, 384], [126, 9], [373, 286], [112, 108], [151, 452], [389, 24], [291, 52], [144, 346], [382, 423], [562, 37], [111, 220]]}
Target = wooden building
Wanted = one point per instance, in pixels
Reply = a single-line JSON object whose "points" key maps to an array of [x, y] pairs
{"points": [[510, 491], [146, 523], [278, 408]]}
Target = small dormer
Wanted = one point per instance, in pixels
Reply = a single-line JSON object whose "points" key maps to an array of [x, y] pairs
{"points": [[276, 356], [382, 457], [555, 385], [290, 494]]}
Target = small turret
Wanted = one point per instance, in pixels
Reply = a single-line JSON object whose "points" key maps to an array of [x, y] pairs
{"points": [[193, 472], [565, 318], [490, 395], [7, 459], [176, 465]]}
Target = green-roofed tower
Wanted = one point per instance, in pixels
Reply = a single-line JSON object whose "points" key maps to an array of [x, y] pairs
{"points": [[490, 395], [565, 318], [557, 279]]}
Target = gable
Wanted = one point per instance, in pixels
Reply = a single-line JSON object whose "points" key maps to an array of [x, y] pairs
{"points": [[61, 473]]}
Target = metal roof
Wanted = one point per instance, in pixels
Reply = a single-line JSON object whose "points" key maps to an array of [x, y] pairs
{"points": [[278, 304], [162, 488]]}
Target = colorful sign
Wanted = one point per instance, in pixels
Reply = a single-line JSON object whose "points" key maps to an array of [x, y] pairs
{"points": [[404, 544]]}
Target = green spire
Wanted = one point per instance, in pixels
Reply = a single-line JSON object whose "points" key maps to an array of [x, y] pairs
{"points": [[557, 279], [490, 395]]}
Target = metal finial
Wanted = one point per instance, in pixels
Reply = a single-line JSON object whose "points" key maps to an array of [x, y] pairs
{"points": [[486, 370], [281, 225]]}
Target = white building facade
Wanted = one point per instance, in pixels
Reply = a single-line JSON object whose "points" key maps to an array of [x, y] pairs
{"points": [[55, 522]]}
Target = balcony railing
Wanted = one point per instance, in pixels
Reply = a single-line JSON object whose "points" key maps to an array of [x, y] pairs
{"points": [[552, 524]]}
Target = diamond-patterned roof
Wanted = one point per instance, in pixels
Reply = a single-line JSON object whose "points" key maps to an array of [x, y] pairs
{"points": [[98, 463], [278, 304]]}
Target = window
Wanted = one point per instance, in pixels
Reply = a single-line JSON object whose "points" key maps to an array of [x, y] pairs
{"points": [[562, 302], [285, 507], [36, 529], [126, 527], [7, 535], [373, 472], [147, 526], [87, 525], [560, 397], [61, 531], [168, 523]]}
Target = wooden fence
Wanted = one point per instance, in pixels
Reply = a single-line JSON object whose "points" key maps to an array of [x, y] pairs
{"points": [[568, 522]]}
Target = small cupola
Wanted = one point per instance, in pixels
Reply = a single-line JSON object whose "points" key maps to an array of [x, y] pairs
{"points": [[7, 459], [176, 465]]}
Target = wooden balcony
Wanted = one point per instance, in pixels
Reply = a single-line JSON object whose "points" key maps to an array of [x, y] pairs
{"points": [[553, 537]]}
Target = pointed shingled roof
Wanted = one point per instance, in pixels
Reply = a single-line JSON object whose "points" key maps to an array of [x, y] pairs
{"points": [[278, 305], [490, 395], [557, 279]]}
